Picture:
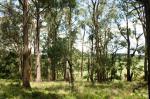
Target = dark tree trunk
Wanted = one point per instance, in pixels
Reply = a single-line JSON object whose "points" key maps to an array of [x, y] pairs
{"points": [[71, 73], [145, 62], [53, 72], [147, 14], [37, 49], [129, 77], [26, 50], [92, 64]]}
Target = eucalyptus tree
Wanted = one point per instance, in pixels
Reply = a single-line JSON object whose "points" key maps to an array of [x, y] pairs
{"points": [[82, 22], [101, 34], [127, 33], [147, 14], [138, 12], [126, 36], [26, 65], [56, 10], [53, 18], [14, 23], [146, 4], [38, 6], [71, 34]]}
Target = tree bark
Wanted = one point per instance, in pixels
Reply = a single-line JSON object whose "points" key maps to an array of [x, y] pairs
{"points": [[92, 63], [70, 48], [66, 72], [37, 49], [26, 50], [129, 77], [145, 62], [71, 73], [147, 15]]}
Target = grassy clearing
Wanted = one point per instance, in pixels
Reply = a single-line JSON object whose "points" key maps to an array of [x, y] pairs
{"points": [[61, 90]]}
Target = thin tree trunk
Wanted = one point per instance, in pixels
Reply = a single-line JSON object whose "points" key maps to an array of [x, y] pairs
{"points": [[71, 73], [37, 50], [69, 59], [145, 57], [145, 62], [26, 50], [128, 64], [82, 53], [129, 78]]}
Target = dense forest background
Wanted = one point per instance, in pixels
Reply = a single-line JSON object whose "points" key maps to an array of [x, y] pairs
{"points": [[77, 42]]}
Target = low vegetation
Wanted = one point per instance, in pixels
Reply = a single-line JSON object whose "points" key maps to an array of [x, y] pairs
{"points": [[61, 90]]}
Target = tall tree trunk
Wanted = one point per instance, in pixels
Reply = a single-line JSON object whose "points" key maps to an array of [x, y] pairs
{"points": [[37, 49], [147, 14], [145, 62], [129, 77], [70, 48], [82, 53], [26, 50], [145, 57]]}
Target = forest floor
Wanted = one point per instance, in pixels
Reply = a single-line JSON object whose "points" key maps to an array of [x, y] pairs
{"points": [[10, 89]]}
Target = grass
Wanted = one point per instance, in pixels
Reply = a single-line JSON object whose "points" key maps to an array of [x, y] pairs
{"points": [[10, 89]]}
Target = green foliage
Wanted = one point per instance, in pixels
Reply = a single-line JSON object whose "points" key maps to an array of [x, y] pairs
{"points": [[9, 65], [58, 50], [137, 67], [59, 3]]}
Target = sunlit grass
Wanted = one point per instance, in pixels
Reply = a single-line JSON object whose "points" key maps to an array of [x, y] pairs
{"points": [[10, 89]]}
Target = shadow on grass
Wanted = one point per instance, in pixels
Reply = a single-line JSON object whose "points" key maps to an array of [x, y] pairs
{"points": [[13, 91]]}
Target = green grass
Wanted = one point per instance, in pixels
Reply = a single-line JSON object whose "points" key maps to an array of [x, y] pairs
{"points": [[10, 89]]}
